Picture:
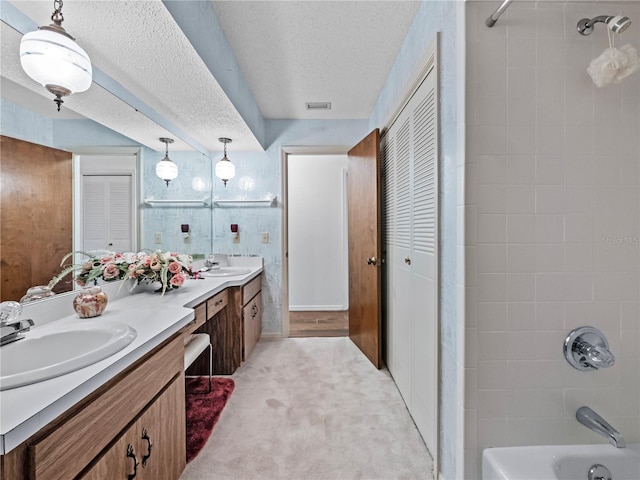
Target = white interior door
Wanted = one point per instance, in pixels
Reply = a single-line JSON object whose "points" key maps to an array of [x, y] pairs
{"points": [[107, 222], [424, 261], [410, 166]]}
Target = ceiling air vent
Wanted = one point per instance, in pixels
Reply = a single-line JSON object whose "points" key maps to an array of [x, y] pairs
{"points": [[318, 105]]}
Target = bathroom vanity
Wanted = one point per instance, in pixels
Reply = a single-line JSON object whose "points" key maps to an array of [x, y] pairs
{"points": [[126, 414]]}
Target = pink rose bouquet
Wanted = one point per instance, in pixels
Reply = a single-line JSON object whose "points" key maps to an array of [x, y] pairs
{"points": [[108, 268], [168, 268]]}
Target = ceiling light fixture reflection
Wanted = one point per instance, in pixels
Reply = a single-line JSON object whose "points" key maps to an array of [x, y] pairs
{"points": [[225, 170], [165, 168], [52, 58]]}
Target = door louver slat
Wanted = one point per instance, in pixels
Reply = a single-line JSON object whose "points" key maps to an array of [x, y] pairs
{"points": [[403, 178], [424, 181]]}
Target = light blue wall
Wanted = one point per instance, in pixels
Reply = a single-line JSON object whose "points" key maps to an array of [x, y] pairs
{"points": [[432, 17], [258, 176], [18, 122]]}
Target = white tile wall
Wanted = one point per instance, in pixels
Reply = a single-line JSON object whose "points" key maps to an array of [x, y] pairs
{"points": [[556, 207]]}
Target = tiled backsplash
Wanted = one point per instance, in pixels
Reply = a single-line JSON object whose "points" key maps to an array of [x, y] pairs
{"points": [[553, 188]]}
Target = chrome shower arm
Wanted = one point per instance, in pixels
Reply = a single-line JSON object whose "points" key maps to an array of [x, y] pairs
{"points": [[615, 23], [585, 26], [493, 18]]}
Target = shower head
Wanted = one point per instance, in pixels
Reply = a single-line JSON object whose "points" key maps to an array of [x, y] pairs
{"points": [[617, 23]]}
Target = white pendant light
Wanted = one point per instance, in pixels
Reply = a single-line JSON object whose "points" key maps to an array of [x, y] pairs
{"points": [[165, 168], [53, 59], [225, 170]]}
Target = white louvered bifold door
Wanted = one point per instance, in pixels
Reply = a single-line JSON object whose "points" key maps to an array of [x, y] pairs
{"points": [[410, 216], [424, 264], [388, 199], [107, 212]]}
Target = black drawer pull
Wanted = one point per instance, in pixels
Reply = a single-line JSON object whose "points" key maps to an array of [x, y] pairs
{"points": [[145, 436], [130, 454]]}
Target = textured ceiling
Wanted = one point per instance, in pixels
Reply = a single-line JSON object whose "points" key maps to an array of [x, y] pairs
{"points": [[290, 52]]}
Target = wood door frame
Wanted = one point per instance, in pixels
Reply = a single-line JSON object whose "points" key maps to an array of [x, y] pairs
{"points": [[285, 151]]}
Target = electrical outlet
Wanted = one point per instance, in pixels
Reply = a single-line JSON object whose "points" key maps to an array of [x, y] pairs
{"points": [[265, 237], [158, 237]]}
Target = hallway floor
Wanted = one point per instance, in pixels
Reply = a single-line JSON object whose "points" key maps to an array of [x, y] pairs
{"points": [[312, 409], [319, 324]]}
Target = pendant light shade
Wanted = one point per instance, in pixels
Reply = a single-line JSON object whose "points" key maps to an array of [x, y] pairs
{"points": [[225, 170], [165, 168], [52, 58]]}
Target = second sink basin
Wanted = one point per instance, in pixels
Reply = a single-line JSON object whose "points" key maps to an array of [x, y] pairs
{"points": [[50, 352], [227, 272]]}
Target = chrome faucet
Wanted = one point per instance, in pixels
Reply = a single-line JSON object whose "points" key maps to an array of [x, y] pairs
{"points": [[11, 328], [595, 422], [586, 348]]}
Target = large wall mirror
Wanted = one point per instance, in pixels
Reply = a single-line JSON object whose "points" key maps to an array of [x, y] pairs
{"points": [[54, 202]]}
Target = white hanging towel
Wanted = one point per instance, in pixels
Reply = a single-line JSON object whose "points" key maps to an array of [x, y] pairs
{"points": [[614, 65]]}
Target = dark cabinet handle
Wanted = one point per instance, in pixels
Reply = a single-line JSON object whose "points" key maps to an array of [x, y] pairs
{"points": [[145, 436], [130, 454], [219, 302]]}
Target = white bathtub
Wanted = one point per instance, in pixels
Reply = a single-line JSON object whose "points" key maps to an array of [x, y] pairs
{"points": [[562, 462]]}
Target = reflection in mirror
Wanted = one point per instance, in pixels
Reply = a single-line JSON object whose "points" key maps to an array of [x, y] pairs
{"points": [[35, 215]]}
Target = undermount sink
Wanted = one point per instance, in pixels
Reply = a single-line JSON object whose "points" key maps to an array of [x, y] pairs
{"points": [[47, 352], [227, 272]]}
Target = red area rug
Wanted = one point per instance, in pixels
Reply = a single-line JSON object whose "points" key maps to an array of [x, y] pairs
{"points": [[204, 409]]}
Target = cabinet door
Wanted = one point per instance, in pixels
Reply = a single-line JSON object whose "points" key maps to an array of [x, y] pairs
{"points": [[163, 427], [252, 324], [154, 446], [120, 461]]}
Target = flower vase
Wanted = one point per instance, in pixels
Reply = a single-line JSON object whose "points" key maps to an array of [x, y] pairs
{"points": [[90, 302]]}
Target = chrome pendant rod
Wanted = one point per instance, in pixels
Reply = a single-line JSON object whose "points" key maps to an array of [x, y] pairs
{"points": [[491, 21]]}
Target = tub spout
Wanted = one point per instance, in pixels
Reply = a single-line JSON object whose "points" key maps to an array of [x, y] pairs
{"points": [[596, 423]]}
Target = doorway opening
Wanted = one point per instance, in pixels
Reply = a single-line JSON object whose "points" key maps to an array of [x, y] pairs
{"points": [[315, 297]]}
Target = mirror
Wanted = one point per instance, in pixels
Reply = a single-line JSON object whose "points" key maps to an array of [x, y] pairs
{"points": [[39, 189], [36, 212]]}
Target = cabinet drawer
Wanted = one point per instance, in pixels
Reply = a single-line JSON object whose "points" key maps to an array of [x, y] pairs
{"points": [[199, 318], [217, 303], [251, 289], [201, 315], [87, 429]]}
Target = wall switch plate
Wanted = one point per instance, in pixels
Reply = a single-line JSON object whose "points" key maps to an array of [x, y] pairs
{"points": [[158, 237], [265, 237]]}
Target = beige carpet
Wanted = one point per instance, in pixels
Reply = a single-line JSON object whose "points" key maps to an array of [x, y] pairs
{"points": [[312, 408]]}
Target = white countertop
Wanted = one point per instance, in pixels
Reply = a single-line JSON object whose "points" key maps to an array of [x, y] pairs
{"points": [[25, 410]]}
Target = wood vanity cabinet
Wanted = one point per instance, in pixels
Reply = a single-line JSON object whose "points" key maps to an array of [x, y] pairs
{"points": [[234, 324], [147, 448], [251, 315], [90, 439]]}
